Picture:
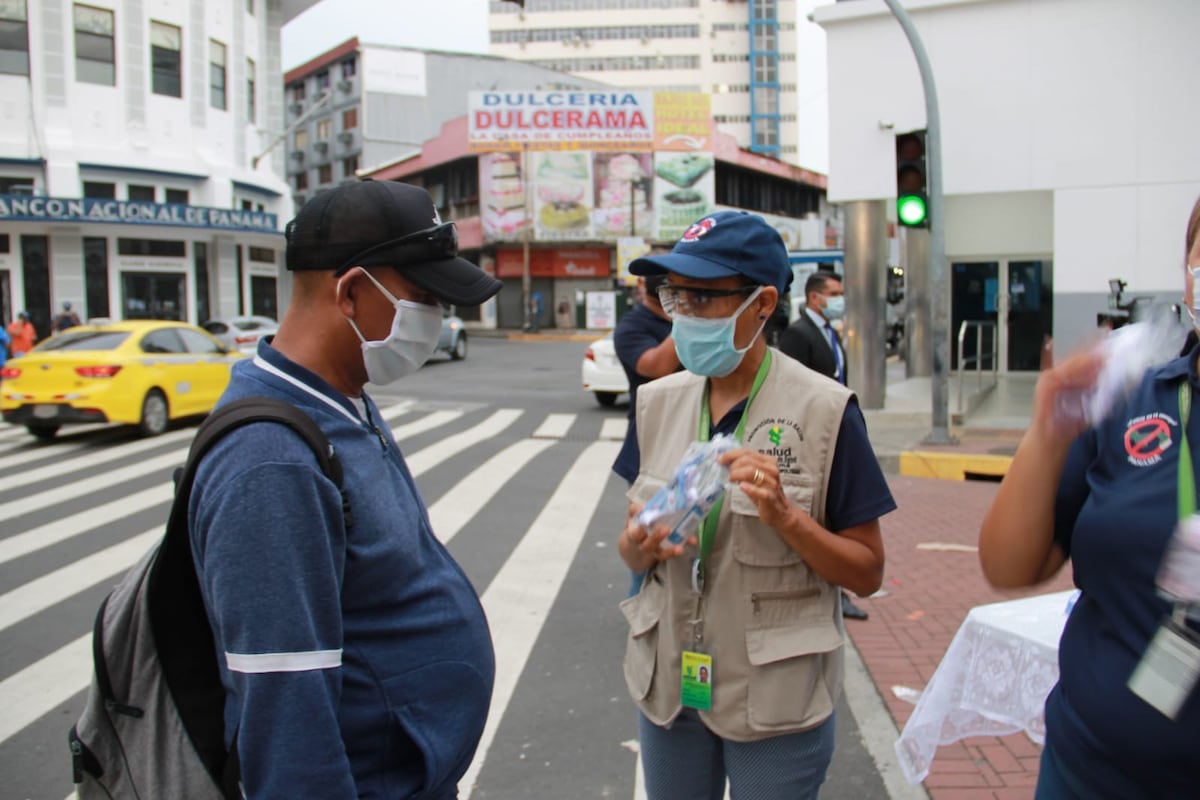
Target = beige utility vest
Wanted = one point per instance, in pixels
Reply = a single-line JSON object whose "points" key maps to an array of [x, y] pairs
{"points": [[771, 624]]}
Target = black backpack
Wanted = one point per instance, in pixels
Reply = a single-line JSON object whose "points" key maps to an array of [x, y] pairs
{"points": [[153, 726]]}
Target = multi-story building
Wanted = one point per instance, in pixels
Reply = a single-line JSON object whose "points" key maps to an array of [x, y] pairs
{"points": [[742, 52], [137, 177], [359, 106]]}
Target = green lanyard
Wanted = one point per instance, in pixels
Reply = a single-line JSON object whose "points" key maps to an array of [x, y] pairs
{"points": [[1186, 491], [708, 528]]}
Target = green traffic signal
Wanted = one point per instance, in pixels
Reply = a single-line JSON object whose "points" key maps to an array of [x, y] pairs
{"points": [[912, 209]]}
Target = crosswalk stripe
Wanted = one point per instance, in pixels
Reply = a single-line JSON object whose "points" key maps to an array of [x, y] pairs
{"points": [[459, 505], [62, 529], [109, 480], [555, 426], [54, 587], [27, 695], [613, 429], [451, 446], [520, 597], [37, 453], [426, 423], [96, 457]]}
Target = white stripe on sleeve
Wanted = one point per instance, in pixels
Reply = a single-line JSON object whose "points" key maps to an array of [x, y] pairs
{"points": [[253, 663]]}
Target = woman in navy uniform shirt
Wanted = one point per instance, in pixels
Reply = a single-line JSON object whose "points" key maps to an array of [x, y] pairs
{"points": [[1107, 498]]}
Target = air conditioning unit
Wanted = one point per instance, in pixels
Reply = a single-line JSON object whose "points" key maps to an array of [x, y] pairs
{"points": [[296, 108], [297, 155], [345, 86], [346, 137], [321, 147], [645, 40]]}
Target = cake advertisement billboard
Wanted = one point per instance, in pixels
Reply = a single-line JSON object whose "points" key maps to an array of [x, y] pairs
{"points": [[624, 200], [684, 191], [566, 120], [502, 211], [563, 195]]}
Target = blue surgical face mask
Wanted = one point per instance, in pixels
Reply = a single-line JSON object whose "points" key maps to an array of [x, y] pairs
{"points": [[705, 345], [835, 307]]}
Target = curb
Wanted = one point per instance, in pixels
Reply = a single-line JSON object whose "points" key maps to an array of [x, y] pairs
{"points": [[953, 466]]}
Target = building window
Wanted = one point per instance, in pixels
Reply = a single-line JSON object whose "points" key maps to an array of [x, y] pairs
{"points": [[349, 166], [14, 38], [216, 75], [298, 93], [323, 80], [350, 119], [95, 276], [349, 68], [95, 54], [141, 193], [247, 205], [13, 185], [151, 247], [263, 255], [178, 196], [251, 96], [301, 139], [324, 129], [325, 173], [166, 61], [250, 7], [301, 182], [100, 191]]}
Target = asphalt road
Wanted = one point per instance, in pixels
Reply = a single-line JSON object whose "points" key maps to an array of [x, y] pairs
{"points": [[513, 460]]}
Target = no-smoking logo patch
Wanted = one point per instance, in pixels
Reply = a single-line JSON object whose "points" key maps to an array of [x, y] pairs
{"points": [[1147, 438]]}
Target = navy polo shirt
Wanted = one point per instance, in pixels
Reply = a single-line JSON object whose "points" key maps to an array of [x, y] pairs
{"points": [[1115, 511], [638, 331]]}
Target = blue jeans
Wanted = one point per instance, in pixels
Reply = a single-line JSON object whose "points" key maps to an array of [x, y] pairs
{"points": [[687, 761]]}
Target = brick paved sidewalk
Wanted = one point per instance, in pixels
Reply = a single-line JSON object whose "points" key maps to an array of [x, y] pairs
{"points": [[929, 595]]}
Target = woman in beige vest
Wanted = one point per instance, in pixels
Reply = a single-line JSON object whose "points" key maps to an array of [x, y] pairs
{"points": [[734, 654]]}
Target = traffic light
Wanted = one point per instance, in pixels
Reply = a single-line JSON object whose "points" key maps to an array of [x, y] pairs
{"points": [[912, 193]]}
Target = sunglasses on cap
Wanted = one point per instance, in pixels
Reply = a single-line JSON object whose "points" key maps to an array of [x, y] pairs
{"points": [[420, 247]]}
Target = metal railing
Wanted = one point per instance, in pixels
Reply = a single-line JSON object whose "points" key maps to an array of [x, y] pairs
{"points": [[964, 361]]}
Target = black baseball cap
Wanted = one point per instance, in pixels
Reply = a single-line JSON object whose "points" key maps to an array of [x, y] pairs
{"points": [[367, 223]]}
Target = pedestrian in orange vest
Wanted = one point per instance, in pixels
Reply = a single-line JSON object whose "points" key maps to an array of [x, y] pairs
{"points": [[22, 333]]}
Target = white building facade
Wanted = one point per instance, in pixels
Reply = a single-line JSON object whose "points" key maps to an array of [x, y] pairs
{"points": [[137, 174], [742, 52], [1069, 147]]}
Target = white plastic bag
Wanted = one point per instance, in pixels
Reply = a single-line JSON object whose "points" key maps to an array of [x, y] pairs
{"points": [[694, 488]]}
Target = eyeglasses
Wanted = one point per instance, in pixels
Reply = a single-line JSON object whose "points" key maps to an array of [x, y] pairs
{"points": [[693, 302], [431, 244]]}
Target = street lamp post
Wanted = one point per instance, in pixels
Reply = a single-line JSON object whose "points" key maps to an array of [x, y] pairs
{"points": [[939, 301]]}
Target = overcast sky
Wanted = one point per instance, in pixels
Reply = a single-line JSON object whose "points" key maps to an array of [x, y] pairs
{"points": [[459, 25]]}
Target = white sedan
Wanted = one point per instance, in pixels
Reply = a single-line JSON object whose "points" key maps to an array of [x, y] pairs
{"points": [[602, 372]]}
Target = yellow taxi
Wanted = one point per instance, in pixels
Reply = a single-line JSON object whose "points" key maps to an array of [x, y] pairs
{"points": [[139, 372]]}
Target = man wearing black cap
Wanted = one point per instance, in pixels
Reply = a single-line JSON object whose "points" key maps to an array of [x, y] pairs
{"points": [[355, 655], [753, 598]]}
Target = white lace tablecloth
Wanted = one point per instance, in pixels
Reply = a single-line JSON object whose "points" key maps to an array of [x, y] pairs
{"points": [[993, 680]]}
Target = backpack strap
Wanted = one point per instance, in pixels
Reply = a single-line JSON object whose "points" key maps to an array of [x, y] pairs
{"points": [[188, 659]]}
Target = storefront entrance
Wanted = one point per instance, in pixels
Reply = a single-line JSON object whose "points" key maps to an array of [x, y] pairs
{"points": [[153, 295], [1010, 300]]}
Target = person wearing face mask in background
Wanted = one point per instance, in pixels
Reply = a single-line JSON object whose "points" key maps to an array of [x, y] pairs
{"points": [[753, 600], [356, 659], [813, 341], [1109, 498]]}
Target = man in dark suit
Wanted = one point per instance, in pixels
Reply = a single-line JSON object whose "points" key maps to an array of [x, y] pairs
{"points": [[813, 342]]}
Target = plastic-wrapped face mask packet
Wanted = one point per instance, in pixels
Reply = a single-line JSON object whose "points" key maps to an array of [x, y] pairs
{"points": [[1127, 353], [699, 481]]}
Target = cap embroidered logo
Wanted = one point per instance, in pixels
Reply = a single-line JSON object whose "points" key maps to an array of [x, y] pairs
{"points": [[698, 229]]}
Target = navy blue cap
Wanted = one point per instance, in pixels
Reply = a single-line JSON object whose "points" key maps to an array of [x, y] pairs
{"points": [[723, 245]]}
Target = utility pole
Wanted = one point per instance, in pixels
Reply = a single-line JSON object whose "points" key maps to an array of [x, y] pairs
{"points": [[939, 289]]}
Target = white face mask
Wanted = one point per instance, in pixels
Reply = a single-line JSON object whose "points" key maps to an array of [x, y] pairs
{"points": [[409, 344]]}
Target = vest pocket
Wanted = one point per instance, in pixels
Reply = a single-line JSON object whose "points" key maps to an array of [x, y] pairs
{"points": [[756, 545], [643, 612], [787, 685]]}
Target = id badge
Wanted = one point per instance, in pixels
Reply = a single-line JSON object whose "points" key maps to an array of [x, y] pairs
{"points": [[1169, 669], [1179, 573], [697, 677]]}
